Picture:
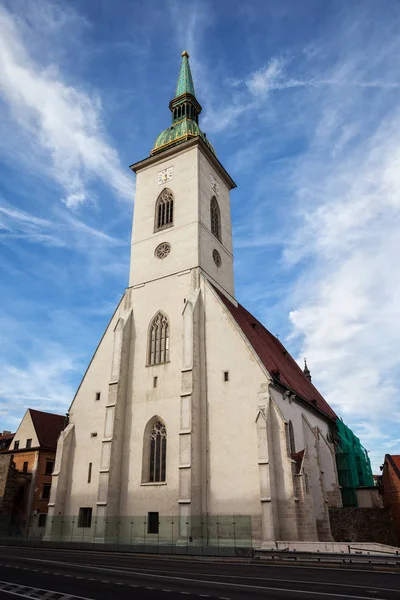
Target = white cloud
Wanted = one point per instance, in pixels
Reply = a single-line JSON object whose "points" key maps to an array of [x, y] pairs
{"points": [[66, 230], [345, 247], [41, 384], [65, 122]]}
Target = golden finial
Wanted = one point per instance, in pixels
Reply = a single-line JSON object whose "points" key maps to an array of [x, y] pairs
{"points": [[185, 53]]}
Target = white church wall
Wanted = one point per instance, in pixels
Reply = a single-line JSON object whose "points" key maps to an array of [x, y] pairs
{"points": [[144, 401], [183, 235], [232, 413], [293, 411], [208, 242], [88, 416]]}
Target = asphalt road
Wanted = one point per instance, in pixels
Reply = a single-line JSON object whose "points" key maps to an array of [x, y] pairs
{"points": [[98, 576]]}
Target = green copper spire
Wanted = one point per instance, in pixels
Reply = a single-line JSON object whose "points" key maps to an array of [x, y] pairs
{"points": [[185, 81], [185, 110]]}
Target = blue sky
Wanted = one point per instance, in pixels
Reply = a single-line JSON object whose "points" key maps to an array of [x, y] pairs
{"points": [[300, 100]]}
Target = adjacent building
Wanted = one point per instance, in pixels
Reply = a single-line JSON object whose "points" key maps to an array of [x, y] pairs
{"points": [[390, 488], [26, 467]]}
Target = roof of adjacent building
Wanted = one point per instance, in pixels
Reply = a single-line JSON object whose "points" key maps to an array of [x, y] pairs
{"points": [[48, 427], [6, 436], [275, 358], [394, 460]]}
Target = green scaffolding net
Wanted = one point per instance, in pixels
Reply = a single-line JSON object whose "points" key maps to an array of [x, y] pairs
{"points": [[353, 464]]}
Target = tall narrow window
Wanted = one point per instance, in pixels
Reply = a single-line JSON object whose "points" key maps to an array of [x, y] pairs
{"points": [[215, 218], [164, 216], [152, 522], [29, 443], [292, 445], [89, 475], [158, 344], [158, 451]]}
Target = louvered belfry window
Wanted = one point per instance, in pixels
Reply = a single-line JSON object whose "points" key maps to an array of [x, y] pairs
{"points": [[158, 351], [158, 451], [164, 216], [215, 218]]}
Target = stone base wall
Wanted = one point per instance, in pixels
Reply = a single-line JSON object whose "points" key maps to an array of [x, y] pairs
{"points": [[363, 525]]}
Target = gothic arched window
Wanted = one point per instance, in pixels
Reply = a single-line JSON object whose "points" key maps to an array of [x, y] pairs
{"points": [[154, 451], [164, 216], [215, 218], [158, 343], [158, 452], [292, 445]]}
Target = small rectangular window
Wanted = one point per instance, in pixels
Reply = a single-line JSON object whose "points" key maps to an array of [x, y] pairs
{"points": [[25, 467], [42, 520], [85, 517], [49, 467], [46, 491], [16, 445], [155, 381], [97, 395], [94, 434], [226, 375], [89, 477], [152, 522], [28, 443]]}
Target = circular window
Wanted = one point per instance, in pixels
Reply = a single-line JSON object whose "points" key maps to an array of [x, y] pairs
{"points": [[217, 258], [162, 250]]}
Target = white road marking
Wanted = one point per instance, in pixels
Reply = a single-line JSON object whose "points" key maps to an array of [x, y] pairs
{"points": [[226, 584], [25, 591]]}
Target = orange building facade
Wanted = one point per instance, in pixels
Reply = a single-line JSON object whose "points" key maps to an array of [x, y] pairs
{"points": [[33, 450]]}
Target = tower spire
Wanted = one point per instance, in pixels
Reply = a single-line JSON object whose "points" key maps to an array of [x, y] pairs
{"points": [[306, 370], [185, 81], [185, 109]]}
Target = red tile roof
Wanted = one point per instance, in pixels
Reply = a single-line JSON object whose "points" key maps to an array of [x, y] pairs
{"points": [[394, 460], [276, 358], [48, 427], [6, 436]]}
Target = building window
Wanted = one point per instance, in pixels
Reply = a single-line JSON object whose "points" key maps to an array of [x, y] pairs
{"points": [[155, 382], [226, 375], [164, 216], [292, 444], [25, 467], [46, 491], [28, 443], [85, 517], [94, 434], [97, 395], [42, 520], [16, 445], [49, 467], [154, 456], [152, 522], [215, 218], [158, 344], [89, 476]]}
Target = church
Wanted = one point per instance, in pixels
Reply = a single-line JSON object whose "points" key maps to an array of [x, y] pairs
{"points": [[190, 408]]}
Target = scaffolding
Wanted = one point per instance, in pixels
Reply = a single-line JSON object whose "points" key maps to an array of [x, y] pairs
{"points": [[353, 464]]}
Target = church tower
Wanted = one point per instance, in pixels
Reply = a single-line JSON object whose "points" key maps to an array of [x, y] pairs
{"points": [[190, 221], [190, 415]]}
